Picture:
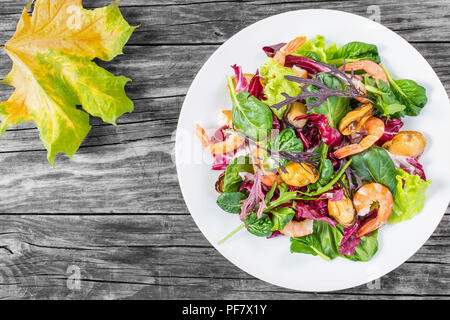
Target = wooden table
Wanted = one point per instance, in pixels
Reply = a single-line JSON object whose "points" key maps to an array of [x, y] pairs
{"points": [[114, 214]]}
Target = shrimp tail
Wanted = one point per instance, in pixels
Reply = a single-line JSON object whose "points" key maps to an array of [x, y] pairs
{"points": [[368, 227]]}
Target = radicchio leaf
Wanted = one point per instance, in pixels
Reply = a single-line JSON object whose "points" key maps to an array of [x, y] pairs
{"points": [[409, 164], [391, 127], [349, 241], [310, 136], [241, 81], [333, 195], [330, 136], [314, 210], [307, 64], [271, 50], [255, 87]]}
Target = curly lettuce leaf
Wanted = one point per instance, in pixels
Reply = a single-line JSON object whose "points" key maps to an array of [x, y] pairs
{"points": [[53, 72], [315, 49], [409, 198], [276, 84]]}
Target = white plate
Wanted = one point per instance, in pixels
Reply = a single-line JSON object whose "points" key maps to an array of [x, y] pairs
{"points": [[271, 260]]}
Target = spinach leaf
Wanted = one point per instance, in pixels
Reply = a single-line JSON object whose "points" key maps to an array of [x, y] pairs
{"points": [[287, 140], [334, 108], [284, 197], [250, 115], [326, 166], [231, 201], [366, 248], [386, 102], [354, 51], [375, 165], [232, 180], [259, 227], [326, 172], [324, 241], [412, 95], [281, 217]]}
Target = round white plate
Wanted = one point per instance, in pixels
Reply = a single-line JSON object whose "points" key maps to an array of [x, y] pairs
{"points": [[271, 260]]}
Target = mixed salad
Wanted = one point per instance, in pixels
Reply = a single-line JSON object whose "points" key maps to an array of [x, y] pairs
{"points": [[312, 149]]}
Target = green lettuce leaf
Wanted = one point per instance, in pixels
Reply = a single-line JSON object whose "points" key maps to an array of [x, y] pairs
{"points": [[409, 198], [276, 84], [353, 51], [315, 49]]}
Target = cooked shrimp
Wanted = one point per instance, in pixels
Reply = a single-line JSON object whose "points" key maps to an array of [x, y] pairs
{"points": [[374, 128], [232, 142], [227, 117], [202, 136], [288, 48], [371, 68], [268, 177], [297, 229], [363, 200]]}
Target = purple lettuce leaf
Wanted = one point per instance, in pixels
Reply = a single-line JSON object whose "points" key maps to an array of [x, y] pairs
{"points": [[391, 127], [241, 81], [349, 241], [330, 136], [271, 50], [409, 164], [314, 210], [255, 87]]}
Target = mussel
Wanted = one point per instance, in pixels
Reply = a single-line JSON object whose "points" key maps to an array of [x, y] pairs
{"points": [[406, 143], [220, 182], [299, 175], [342, 211], [355, 119], [293, 111]]}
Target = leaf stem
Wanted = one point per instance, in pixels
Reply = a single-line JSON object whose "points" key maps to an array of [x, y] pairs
{"points": [[330, 184], [231, 234]]}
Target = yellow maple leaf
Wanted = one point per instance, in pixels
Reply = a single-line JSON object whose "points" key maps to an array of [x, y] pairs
{"points": [[52, 52]]}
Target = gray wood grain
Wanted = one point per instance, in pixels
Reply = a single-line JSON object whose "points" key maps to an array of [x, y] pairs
{"points": [[83, 212], [158, 257]]}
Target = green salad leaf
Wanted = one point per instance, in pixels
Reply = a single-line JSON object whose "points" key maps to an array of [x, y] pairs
{"points": [[287, 140], [375, 165], [315, 49], [409, 94], [232, 179], [386, 102], [250, 115], [276, 84], [354, 51], [326, 239], [261, 227], [231, 201], [281, 217], [366, 248], [409, 198], [334, 108]]}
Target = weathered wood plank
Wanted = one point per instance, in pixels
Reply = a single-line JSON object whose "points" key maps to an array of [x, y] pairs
{"points": [[158, 257], [215, 21]]}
